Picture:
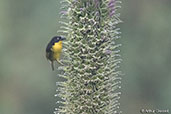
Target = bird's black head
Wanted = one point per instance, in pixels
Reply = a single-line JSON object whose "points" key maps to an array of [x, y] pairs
{"points": [[53, 41], [57, 38]]}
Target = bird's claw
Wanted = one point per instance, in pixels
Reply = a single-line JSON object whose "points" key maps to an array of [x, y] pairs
{"points": [[60, 62]]}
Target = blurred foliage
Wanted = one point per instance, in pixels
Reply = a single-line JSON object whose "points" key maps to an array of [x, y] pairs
{"points": [[146, 54], [27, 84]]}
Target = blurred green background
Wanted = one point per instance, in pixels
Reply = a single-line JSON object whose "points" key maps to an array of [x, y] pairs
{"points": [[27, 84]]}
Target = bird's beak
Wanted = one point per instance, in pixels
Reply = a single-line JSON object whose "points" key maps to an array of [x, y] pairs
{"points": [[63, 38]]}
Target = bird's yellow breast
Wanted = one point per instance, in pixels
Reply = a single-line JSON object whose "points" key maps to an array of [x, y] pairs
{"points": [[57, 48]]}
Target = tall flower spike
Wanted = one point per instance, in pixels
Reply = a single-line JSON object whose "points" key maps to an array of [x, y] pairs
{"points": [[91, 58]]}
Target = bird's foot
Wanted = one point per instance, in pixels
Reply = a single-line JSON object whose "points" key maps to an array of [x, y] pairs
{"points": [[60, 62]]}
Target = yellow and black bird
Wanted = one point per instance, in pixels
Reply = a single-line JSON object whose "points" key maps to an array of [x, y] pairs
{"points": [[54, 49]]}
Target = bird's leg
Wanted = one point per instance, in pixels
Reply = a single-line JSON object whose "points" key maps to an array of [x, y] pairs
{"points": [[59, 62]]}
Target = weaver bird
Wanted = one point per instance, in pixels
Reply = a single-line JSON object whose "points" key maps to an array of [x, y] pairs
{"points": [[54, 49]]}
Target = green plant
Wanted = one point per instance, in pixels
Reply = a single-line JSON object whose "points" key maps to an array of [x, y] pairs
{"points": [[91, 58]]}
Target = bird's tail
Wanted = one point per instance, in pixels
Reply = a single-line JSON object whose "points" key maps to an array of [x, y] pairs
{"points": [[52, 65]]}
